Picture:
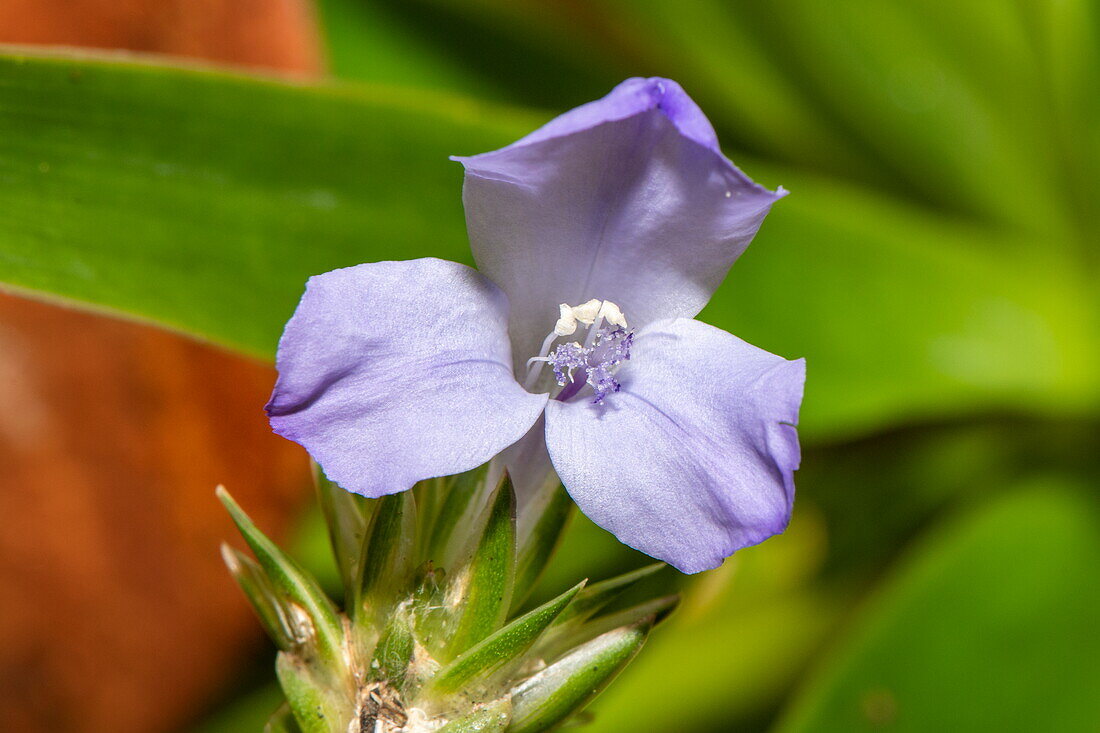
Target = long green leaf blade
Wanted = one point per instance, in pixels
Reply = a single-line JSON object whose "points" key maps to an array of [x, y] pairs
{"points": [[560, 639], [204, 200]]}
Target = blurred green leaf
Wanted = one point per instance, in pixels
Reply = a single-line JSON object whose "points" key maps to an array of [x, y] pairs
{"points": [[904, 316], [739, 639], [990, 614], [982, 109], [204, 200], [248, 711], [520, 52], [372, 41], [944, 95]]}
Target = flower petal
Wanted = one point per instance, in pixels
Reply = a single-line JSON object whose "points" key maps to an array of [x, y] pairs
{"points": [[630, 98], [529, 466], [626, 199], [393, 372], [694, 458]]}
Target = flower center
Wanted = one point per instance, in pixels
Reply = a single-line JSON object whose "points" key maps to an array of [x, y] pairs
{"points": [[593, 363]]}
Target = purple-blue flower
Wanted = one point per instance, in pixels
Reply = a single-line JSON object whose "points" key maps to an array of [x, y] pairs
{"points": [[598, 237]]}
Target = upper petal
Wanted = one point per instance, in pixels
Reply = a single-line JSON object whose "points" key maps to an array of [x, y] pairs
{"points": [[393, 372], [694, 457], [630, 98], [626, 199]]}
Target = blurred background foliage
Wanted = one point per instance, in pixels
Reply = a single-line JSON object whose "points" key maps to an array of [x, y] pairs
{"points": [[935, 264]]}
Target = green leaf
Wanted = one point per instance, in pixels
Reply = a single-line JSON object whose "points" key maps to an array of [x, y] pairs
{"points": [[904, 316], [948, 108], [372, 42], [479, 593], [204, 200], [764, 614], [388, 558], [989, 614], [320, 626], [347, 521], [501, 648], [569, 684]]}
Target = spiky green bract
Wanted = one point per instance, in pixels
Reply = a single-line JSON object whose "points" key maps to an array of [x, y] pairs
{"points": [[317, 702], [428, 640], [387, 561], [492, 718], [568, 684], [509, 643], [598, 595], [347, 520], [547, 521], [315, 629], [486, 578], [269, 607]]}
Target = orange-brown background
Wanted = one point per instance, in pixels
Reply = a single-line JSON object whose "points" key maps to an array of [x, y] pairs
{"points": [[116, 614]]}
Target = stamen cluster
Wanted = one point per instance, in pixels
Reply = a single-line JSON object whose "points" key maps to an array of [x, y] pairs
{"points": [[599, 361]]}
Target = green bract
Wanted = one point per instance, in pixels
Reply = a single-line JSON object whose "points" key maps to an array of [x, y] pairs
{"points": [[428, 638]]}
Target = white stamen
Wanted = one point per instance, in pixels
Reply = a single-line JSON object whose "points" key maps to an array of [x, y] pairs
{"points": [[567, 323], [586, 313], [534, 369], [591, 314], [612, 314]]}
